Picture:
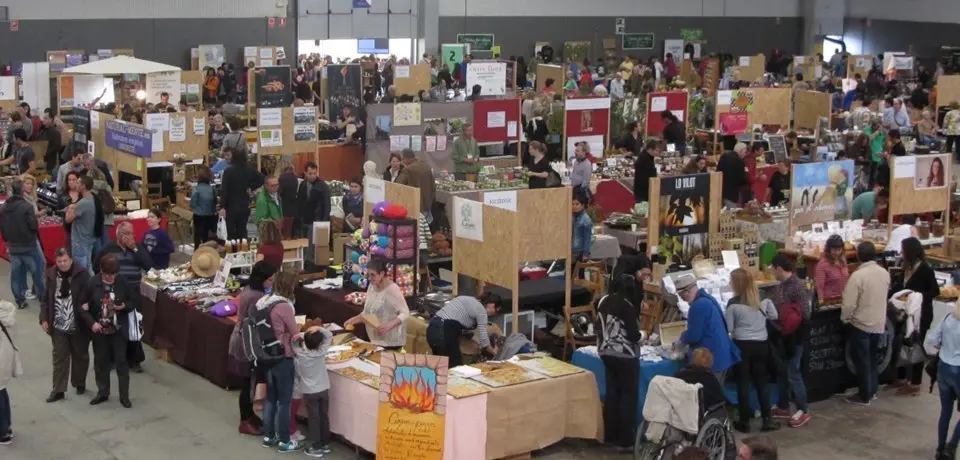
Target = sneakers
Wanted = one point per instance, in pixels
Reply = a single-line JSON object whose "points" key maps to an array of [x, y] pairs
{"points": [[315, 452], [855, 399], [6, 439], [799, 419], [780, 414], [297, 436], [249, 429], [291, 446], [269, 442], [30, 295]]}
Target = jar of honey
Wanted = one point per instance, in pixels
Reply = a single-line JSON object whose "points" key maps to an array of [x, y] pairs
{"points": [[938, 228]]}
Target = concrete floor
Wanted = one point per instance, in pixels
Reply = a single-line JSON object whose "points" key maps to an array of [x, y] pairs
{"points": [[178, 415]]}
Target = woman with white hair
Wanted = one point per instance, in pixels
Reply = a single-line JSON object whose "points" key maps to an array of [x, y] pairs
{"points": [[9, 367]]}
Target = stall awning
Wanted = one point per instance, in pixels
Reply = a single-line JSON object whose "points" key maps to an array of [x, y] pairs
{"points": [[121, 65]]}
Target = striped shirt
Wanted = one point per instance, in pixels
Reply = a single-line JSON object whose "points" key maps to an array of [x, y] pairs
{"points": [[470, 313]]}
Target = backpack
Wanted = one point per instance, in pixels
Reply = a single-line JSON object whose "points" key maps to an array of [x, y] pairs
{"points": [[790, 318], [106, 202], [260, 345]]}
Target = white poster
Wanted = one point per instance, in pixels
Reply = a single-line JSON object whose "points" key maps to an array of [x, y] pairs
{"points": [[678, 114], [374, 190], [249, 51], [199, 126], [270, 117], [92, 148], [94, 120], [304, 115], [467, 219], [503, 200], [864, 62], [157, 122], [674, 47], [491, 76], [220, 279], [416, 143], [658, 104], [304, 133], [511, 129], [212, 56], [178, 129], [193, 88], [271, 137], [8, 89], [156, 141], [163, 82], [35, 85], [403, 71], [431, 143], [87, 88], [596, 145], [724, 97], [744, 61], [441, 143], [587, 103], [399, 142], [496, 119], [904, 167]]}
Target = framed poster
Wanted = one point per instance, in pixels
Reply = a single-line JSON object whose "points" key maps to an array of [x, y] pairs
{"points": [[821, 192], [684, 218], [273, 86]]}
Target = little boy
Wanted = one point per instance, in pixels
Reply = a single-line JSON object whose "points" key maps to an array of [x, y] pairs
{"points": [[313, 382]]}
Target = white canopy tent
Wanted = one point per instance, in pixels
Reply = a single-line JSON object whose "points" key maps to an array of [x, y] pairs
{"points": [[121, 65]]}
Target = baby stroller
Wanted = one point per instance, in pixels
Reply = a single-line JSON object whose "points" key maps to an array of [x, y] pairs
{"points": [[674, 418]]}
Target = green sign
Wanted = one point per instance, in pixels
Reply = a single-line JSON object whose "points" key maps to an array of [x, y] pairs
{"points": [[477, 42], [638, 41], [452, 54], [691, 35]]}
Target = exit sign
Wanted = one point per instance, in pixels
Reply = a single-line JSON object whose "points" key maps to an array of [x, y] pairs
{"points": [[14, 26]]}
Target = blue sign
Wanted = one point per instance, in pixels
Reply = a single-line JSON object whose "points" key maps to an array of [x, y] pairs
{"points": [[135, 140], [362, 3]]}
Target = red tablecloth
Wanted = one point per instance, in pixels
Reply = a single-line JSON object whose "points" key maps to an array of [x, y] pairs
{"points": [[54, 236]]}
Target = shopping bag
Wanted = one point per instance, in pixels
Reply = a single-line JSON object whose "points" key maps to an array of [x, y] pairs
{"points": [[134, 326], [222, 229]]}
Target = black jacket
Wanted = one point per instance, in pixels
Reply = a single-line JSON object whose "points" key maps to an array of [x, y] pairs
{"points": [[79, 292], [317, 207], [234, 186], [712, 391], [288, 194], [924, 282], [675, 133], [18, 225], [123, 293], [734, 175], [643, 169]]}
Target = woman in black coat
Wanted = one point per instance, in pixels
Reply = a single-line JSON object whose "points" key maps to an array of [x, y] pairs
{"points": [[918, 277], [236, 188]]}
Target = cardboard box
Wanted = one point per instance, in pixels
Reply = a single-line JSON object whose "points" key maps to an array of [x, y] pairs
{"points": [[339, 239], [321, 243], [951, 246]]}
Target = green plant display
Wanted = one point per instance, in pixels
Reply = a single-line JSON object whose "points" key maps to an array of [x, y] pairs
{"points": [[578, 51]]}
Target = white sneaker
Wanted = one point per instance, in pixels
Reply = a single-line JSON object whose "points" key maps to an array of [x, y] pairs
{"points": [[30, 295], [297, 436]]}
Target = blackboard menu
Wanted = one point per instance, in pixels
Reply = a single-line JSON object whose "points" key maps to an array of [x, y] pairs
{"points": [[825, 369], [778, 144], [81, 125], [477, 42], [273, 87], [637, 41]]}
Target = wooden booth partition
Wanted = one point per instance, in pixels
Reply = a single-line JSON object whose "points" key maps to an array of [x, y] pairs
{"points": [[948, 90], [656, 211], [393, 192], [194, 146], [507, 240], [751, 68], [738, 110], [808, 66], [191, 88], [556, 72], [809, 106], [860, 64], [411, 79], [912, 191], [297, 132], [9, 102], [498, 120]]}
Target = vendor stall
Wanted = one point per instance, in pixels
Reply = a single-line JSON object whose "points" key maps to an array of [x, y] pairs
{"points": [[738, 111]]}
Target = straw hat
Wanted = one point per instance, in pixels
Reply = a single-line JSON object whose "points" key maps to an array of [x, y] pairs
{"points": [[205, 262]]}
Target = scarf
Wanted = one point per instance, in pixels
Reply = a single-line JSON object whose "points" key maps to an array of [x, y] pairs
{"points": [[65, 278]]}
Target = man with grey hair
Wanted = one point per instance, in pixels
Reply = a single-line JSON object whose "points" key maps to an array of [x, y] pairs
{"points": [[18, 227]]}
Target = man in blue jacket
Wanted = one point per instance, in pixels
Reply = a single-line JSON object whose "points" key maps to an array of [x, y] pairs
{"points": [[706, 327]]}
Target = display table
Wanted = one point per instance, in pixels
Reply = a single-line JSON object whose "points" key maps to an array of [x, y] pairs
{"points": [[54, 236], [648, 370], [506, 421], [197, 341], [628, 238], [544, 294], [328, 305], [605, 248]]}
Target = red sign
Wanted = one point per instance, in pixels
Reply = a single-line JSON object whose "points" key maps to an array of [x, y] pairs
{"points": [[14, 26], [271, 22], [283, 22], [732, 124]]}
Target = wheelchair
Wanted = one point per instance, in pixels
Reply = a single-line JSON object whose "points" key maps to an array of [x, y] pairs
{"points": [[715, 437]]}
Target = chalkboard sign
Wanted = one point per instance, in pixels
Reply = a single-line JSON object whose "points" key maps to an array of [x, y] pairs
{"points": [[825, 369], [778, 144], [81, 125], [638, 41], [477, 42]]}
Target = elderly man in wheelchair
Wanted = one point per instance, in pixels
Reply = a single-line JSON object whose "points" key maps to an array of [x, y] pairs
{"points": [[675, 417]]}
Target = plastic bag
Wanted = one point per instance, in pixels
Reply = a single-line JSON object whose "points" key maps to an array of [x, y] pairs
{"points": [[222, 229]]}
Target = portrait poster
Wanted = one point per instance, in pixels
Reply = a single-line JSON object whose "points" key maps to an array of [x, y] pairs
{"points": [[933, 171], [684, 218], [411, 414], [343, 88], [273, 87], [821, 192]]}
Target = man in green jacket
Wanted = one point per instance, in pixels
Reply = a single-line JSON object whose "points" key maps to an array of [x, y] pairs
{"points": [[466, 154], [268, 202]]}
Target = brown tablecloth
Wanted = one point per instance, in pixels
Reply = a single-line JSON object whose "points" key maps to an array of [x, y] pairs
{"points": [[197, 341], [531, 416], [328, 305]]}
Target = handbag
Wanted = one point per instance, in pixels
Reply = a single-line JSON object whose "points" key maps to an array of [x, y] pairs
{"points": [[17, 362], [134, 326], [222, 229]]}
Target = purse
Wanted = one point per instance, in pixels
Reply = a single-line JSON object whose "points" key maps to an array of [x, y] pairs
{"points": [[17, 362]]}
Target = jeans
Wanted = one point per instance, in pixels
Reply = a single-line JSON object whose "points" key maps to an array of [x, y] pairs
{"points": [[318, 404], [948, 382], [443, 336], [82, 251], [795, 376], [865, 345], [620, 404], [101, 242], [932, 141], [276, 409], [6, 419], [752, 369], [20, 264]]}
